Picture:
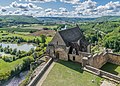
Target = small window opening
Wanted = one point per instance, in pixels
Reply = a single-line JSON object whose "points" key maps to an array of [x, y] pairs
{"points": [[73, 58]]}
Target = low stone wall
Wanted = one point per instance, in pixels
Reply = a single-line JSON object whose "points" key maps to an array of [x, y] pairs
{"points": [[102, 73], [40, 73]]}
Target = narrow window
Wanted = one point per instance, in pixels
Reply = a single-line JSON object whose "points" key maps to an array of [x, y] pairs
{"points": [[57, 42], [73, 58]]}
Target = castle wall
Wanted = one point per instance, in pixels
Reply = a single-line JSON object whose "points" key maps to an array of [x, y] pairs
{"points": [[77, 58], [98, 60], [114, 58]]}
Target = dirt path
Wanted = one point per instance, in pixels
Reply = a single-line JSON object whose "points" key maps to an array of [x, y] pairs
{"points": [[45, 75]]}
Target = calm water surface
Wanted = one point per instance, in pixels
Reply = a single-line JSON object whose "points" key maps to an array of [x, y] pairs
{"points": [[22, 47]]}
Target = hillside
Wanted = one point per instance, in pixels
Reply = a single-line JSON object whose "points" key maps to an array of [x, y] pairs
{"points": [[107, 18], [18, 19], [22, 19], [76, 20], [64, 19]]}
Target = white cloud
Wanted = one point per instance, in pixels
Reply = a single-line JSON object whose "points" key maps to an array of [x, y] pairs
{"points": [[40, 1], [70, 1], [4, 9], [62, 9], [110, 7], [87, 8], [24, 7]]}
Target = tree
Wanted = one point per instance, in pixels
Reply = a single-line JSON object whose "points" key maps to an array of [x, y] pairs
{"points": [[14, 51], [43, 38]]}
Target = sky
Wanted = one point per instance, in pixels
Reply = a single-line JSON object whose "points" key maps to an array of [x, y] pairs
{"points": [[60, 8]]}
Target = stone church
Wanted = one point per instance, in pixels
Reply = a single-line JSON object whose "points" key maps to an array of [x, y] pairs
{"points": [[68, 42]]}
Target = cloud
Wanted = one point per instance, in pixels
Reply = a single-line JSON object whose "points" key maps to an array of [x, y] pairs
{"points": [[70, 1], [62, 9], [39, 1], [109, 7], [85, 5], [90, 8], [24, 7], [87, 8], [4, 9]]}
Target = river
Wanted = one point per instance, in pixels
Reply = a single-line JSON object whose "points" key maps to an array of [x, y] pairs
{"points": [[23, 47], [16, 80]]}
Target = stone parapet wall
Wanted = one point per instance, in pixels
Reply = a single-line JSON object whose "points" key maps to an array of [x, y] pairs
{"points": [[102, 73], [34, 81], [114, 58]]}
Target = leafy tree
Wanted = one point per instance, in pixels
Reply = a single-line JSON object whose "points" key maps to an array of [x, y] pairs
{"points": [[43, 38]]}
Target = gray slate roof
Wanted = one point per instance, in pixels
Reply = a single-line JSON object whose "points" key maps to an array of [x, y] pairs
{"points": [[71, 35]]}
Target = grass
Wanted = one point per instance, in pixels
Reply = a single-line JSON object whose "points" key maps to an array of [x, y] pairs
{"points": [[38, 26], [17, 29], [112, 68], [28, 27], [7, 67], [26, 37], [15, 34], [66, 73]]}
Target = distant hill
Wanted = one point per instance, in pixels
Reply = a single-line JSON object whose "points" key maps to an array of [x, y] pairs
{"points": [[75, 20], [18, 19], [64, 19], [22, 19], [107, 18]]}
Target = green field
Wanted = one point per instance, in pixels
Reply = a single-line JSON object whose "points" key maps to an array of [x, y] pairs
{"points": [[39, 26], [111, 68], [26, 37], [28, 28], [66, 73], [6, 68]]}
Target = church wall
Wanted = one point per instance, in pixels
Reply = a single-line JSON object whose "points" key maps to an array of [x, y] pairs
{"points": [[50, 50], [61, 50], [57, 40]]}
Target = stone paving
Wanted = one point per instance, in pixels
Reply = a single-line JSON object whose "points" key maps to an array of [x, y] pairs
{"points": [[108, 83]]}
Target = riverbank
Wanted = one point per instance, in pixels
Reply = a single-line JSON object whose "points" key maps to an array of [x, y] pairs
{"points": [[16, 80]]}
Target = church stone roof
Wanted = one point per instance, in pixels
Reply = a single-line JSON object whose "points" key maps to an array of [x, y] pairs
{"points": [[71, 35]]}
